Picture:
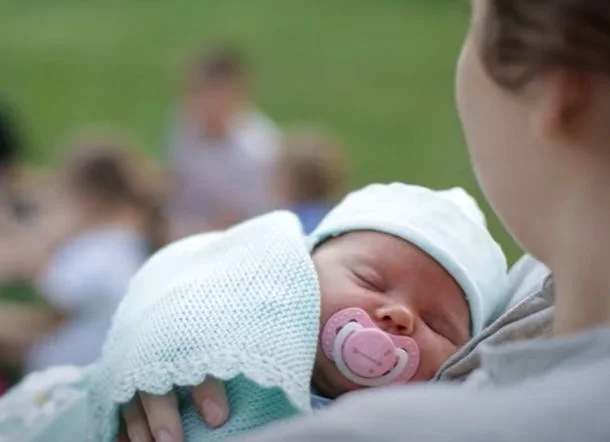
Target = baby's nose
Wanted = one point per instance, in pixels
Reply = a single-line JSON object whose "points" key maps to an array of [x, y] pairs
{"points": [[395, 319]]}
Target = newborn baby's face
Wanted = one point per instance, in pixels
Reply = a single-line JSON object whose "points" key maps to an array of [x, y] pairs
{"points": [[404, 291]]}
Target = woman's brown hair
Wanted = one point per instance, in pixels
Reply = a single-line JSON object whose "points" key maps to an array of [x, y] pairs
{"points": [[110, 169], [522, 38]]}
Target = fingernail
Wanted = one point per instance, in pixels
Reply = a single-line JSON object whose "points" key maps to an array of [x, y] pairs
{"points": [[211, 413], [163, 436]]}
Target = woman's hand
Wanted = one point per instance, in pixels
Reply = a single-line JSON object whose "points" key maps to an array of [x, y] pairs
{"points": [[151, 418]]}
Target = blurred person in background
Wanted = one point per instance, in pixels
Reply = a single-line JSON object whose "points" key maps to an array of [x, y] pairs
{"points": [[221, 149], [15, 202], [311, 172], [19, 206], [114, 196], [10, 149], [23, 190]]}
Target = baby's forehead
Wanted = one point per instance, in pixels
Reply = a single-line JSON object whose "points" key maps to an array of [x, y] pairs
{"points": [[390, 254], [379, 247], [373, 238]]}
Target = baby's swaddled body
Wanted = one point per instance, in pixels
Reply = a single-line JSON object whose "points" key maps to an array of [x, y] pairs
{"points": [[244, 307]]}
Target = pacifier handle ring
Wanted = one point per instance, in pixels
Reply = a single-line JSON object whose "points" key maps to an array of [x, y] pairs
{"points": [[344, 333]]}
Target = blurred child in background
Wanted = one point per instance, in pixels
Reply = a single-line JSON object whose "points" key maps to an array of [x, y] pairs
{"points": [[311, 173], [9, 149], [16, 199], [222, 148], [24, 196], [114, 195]]}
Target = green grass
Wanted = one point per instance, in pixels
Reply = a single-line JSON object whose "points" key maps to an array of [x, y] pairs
{"points": [[377, 72]]}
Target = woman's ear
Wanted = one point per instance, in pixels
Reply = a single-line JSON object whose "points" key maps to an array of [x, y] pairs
{"points": [[562, 102]]}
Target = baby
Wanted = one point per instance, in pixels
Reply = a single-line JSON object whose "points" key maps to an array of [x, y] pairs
{"points": [[392, 282], [418, 274]]}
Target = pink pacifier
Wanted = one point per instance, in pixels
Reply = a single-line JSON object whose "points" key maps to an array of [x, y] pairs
{"points": [[365, 354]]}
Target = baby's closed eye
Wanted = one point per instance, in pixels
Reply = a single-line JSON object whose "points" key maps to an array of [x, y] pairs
{"points": [[369, 279]]}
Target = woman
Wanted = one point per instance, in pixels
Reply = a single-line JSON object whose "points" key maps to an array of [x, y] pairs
{"points": [[533, 92]]}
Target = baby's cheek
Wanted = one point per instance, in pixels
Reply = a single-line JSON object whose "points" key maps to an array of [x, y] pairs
{"points": [[434, 351], [333, 300]]}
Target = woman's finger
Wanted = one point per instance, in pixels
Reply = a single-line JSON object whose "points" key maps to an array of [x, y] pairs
{"points": [[211, 400], [163, 417], [135, 422]]}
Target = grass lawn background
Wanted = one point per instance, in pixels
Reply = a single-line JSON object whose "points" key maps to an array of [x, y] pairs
{"points": [[377, 72]]}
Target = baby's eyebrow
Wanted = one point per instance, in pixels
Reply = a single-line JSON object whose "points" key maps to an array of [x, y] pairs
{"points": [[361, 258]]}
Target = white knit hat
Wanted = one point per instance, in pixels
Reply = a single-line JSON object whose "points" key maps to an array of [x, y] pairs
{"points": [[448, 225]]}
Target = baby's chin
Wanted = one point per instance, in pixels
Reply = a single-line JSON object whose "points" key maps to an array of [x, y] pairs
{"points": [[329, 381]]}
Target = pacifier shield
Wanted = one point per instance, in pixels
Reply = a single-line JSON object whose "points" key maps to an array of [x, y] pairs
{"points": [[369, 353], [365, 354]]}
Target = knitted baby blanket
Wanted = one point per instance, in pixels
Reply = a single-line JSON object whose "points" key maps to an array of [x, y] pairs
{"points": [[241, 305]]}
